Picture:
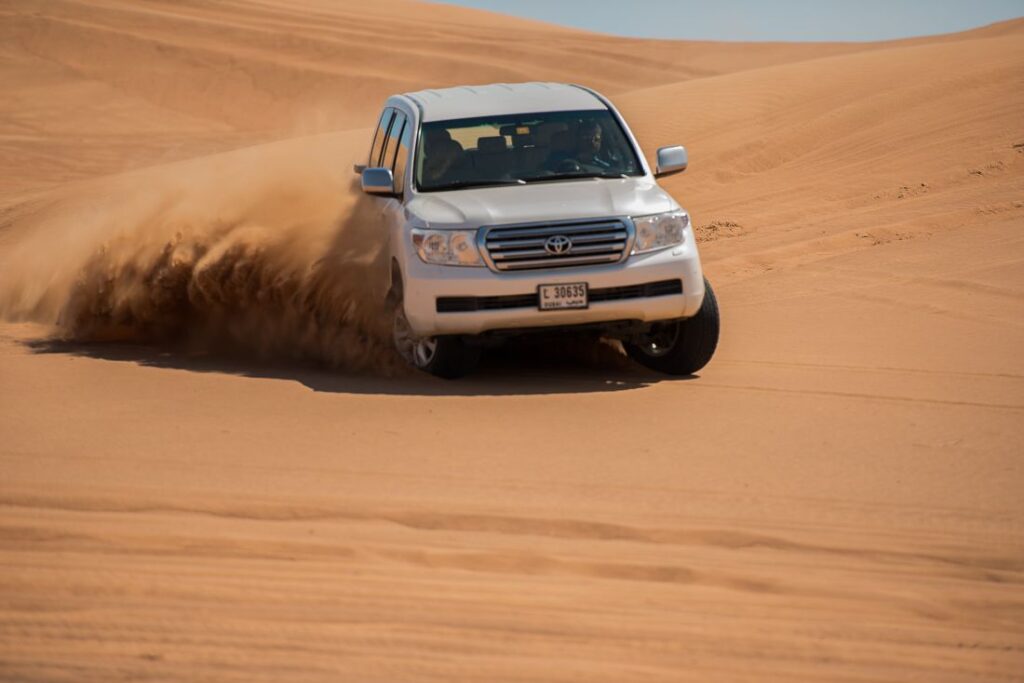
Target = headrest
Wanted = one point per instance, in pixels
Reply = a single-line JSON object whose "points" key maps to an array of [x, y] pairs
{"points": [[546, 130], [436, 135], [561, 141], [524, 141], [494, 143], [444, 149]]}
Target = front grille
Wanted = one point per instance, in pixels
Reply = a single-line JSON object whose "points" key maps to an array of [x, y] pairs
{"points": [[522, 247], [465, 304]]}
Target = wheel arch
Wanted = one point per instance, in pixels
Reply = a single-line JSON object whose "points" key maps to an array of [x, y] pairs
{"points": [[395, 281]]}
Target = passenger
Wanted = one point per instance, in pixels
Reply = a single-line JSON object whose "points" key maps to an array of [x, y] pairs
{"points": [[442, 157], [433, 137]]}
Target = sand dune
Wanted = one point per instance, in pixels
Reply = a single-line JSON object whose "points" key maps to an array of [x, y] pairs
{"points": [[895, 144], [836, 497], [100, 87]]}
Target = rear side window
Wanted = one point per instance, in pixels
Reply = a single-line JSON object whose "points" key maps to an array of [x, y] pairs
{"points": [[380, 136], [391, 144], [402, 155]]}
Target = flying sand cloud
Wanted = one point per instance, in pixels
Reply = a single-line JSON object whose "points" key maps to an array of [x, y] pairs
{"points": [[270, 249]]}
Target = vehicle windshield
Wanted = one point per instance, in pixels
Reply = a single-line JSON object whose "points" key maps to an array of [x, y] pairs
{"points": [[522, 148]]}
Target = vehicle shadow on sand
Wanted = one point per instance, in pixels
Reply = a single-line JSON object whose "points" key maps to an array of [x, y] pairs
{"points": [[517, 371]]}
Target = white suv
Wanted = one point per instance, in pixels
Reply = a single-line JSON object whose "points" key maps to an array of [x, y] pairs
{"points": [[521, 208]]}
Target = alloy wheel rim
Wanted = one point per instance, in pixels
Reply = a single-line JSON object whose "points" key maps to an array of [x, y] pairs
{"points": [[424, 351], [418, 351], [660, 340]]}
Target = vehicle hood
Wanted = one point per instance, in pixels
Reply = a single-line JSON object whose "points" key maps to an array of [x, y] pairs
{"points": [[558, 200]]}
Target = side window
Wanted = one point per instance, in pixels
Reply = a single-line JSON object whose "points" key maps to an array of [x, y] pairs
{"points": [[388, 160], [379, 137], [402, 156]]}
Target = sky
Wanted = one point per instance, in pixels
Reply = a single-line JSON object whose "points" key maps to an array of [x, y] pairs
{"points": [[787, 20]]}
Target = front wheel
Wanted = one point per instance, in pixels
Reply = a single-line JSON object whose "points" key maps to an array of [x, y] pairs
{"points": [[447, 357], [679, 347]]}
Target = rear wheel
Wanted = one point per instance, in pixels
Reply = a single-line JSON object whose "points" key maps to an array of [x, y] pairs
{"points": [[679, 347], [444, 356]]}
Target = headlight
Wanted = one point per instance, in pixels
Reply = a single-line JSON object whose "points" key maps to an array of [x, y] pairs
{"points": [[660, 231], [447, 247]]}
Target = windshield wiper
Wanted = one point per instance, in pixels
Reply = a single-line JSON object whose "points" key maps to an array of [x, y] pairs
{"points": [[458, 184], [573, 176]]}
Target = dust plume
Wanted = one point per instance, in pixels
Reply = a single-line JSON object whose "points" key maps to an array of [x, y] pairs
{"points": [[269, 250]]}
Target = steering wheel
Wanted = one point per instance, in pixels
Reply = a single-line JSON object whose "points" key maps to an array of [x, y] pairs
{"points": [[569, 165]]}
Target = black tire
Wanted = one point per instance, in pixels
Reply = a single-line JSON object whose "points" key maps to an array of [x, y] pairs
{"points": [[680, 347], [454, 358], [448, 357]]}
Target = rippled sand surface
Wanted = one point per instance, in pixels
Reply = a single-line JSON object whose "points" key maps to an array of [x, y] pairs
{"points": [[837, 496]]}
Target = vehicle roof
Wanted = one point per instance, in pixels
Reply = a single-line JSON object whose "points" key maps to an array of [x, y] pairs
{"points": [[468, 101]]}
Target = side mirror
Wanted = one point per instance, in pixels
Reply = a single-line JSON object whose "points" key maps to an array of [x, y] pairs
{"points": [[358, 168], [671, 160], [378, 181]]}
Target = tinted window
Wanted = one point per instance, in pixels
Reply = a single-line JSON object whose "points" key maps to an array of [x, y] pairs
{"points": [[523, 148], [402, 156], [388, 161], [379, 136]]}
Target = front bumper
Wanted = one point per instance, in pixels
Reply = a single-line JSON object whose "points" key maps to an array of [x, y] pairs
{"points": [[424, 284]]}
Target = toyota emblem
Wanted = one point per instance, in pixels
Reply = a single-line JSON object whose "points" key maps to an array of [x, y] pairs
{"points": [[556, 245]]}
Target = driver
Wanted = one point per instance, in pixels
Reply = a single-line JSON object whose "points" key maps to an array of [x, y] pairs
{"points": [[588, 144], [586, 152]]}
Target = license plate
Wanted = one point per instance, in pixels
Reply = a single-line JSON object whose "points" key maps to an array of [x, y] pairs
{"points": [[558, 297]]}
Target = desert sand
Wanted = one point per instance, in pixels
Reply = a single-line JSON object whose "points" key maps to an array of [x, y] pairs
{"points": [[214, 470]]}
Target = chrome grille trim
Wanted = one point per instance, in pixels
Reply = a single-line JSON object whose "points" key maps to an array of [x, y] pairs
{"points": [[595, 241], [562, 262]]}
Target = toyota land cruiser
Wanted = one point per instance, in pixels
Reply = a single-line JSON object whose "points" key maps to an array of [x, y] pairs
{"points": [[518, 208]]}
